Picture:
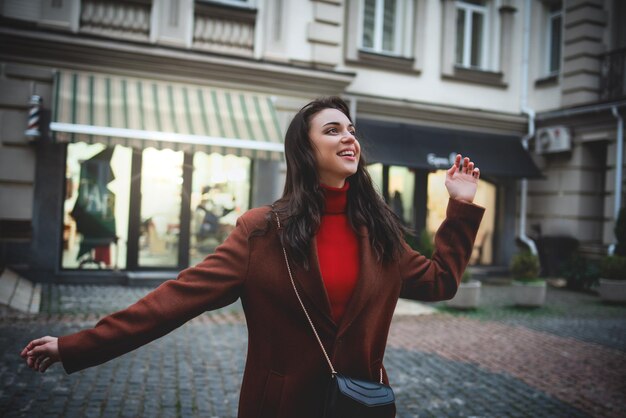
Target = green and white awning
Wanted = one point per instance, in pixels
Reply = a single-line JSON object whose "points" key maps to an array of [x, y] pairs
{"points": [[141, 113]]}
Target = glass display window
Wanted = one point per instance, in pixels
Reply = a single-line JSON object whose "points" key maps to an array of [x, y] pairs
{"points": [[220, 194], [95, 211], [161, 189]]}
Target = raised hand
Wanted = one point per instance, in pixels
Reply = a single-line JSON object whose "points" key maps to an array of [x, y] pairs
{"points": [[462, 182], [41, 353]]}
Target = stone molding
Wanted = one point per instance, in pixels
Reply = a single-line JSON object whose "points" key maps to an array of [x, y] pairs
{"points": [[61, 50], [440, 116]]}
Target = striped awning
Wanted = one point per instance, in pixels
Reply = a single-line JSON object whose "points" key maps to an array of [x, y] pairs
{"points": [[141, 113]]}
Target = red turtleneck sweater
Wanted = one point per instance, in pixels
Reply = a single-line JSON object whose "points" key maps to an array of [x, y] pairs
{"points": [[337, 250]]}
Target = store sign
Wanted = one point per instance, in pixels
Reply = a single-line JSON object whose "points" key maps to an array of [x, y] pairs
{"points": [[441, 162]]}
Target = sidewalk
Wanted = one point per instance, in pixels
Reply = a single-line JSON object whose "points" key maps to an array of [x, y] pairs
{"points": [[567, 359]]}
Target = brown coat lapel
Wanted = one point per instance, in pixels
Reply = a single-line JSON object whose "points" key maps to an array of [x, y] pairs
{"points": [[312, 285]]}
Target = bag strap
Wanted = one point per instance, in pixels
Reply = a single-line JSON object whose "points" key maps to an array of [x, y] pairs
{"points": [[306, 313]]}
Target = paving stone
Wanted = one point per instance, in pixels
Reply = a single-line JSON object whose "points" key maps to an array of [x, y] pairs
{"points": [[566, 359]]}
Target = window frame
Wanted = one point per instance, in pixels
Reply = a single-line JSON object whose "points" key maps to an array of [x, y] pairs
{"points": [[400, 46], [470, 9], [552, 15]]}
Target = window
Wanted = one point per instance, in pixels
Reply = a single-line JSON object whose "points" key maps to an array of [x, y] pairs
{"points": [[382, 26], [385, 34], [95, 213], [241, 3], [471, 29], [220, 194], [554, 31]]}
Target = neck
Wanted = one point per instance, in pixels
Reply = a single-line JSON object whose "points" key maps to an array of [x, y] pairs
{"points": [[336, 198]]}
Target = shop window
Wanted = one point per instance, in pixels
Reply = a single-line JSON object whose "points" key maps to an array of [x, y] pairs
{"points": [[161, 190], [401, 189], [95, 212], [376, 173], [220, 194], [397, 185], [485, 197]]}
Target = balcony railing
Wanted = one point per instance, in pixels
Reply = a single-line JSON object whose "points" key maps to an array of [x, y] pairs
{"points": [[228, 30], [116, 19], [613, 76]]}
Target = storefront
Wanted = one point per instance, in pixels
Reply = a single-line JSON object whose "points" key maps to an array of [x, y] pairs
{"points": [[409, 167], [156, 173]]}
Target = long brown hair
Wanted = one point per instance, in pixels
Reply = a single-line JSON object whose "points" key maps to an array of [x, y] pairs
{"points": [[302, 203]]}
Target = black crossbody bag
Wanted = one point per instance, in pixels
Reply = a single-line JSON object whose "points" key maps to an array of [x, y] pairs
{"points": [[347, 397]]}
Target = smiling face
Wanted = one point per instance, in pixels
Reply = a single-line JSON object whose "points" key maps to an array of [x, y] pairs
{"points": [[336, 149]]}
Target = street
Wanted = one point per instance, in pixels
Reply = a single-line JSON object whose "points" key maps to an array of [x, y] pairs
{"points": [[567, 359]]}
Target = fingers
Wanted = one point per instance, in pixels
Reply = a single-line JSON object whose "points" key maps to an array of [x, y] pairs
{"points": [[468, 167], [47, 362], [455, 165], [35, 343], [41, 353]]}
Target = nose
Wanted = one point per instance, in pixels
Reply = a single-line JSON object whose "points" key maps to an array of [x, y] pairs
{"points": [[348, 137]]}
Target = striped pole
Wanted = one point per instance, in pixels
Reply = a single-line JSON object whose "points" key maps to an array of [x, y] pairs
{"points": [[32, 132]]}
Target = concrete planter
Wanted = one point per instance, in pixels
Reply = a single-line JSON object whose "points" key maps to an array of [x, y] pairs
{"points": [[467, 296], [532, 294], [613, 290]]}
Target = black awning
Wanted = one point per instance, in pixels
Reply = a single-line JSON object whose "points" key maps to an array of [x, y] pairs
{"points": [[429, 148]]}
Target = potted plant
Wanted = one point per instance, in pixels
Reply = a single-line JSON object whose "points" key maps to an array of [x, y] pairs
{"points": [[613, 267], [528, 288], [468, 293], [613, 279]]}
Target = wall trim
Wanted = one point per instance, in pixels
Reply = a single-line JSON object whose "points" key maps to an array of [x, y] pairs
{"points": [[92, 54], [440, 116]]}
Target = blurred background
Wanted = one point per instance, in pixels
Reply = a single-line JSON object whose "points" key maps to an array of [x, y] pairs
{"points": [[134, 133]]}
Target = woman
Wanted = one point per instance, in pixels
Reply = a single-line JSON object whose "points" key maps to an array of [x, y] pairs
{"points": [[348, 259]]}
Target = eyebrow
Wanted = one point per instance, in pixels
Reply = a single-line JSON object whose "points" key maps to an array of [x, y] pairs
{"points": [[337, 123]]}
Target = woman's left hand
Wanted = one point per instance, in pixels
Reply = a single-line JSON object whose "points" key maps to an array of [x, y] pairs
{"points": [[462, 182]]}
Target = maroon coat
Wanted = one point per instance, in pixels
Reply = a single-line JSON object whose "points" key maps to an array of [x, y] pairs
{"points": [[286, 373]]}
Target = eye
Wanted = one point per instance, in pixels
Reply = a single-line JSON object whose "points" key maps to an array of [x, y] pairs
{"points": [[332, 131]]}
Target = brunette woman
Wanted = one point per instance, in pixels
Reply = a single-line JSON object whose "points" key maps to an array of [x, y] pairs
{"points": [[349, 262]]}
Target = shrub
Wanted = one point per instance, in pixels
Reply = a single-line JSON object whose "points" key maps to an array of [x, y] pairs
{"points": [[613, 267], [467, 276], [525, 266], [581, 273]]}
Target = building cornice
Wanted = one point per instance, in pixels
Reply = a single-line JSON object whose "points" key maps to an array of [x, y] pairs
{"points": [[108, 55], [443, 116]]}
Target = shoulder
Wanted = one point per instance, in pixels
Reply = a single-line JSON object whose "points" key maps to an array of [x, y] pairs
{"points": [[255, 219]]}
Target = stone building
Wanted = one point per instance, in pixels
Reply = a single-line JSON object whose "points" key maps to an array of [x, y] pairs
{"points": [[161, 121]]}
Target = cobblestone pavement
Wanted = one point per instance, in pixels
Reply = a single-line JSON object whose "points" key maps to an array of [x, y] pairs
{"points": [[567, 359]]}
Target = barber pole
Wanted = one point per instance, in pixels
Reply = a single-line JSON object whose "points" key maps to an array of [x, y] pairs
{"points": [[32, 132]]}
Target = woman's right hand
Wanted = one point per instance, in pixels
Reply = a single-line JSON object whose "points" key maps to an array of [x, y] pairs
{"points": [[41, 353]]}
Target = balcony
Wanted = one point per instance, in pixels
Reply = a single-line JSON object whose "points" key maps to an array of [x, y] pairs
{"points": [[116, 19], [613, 76]]}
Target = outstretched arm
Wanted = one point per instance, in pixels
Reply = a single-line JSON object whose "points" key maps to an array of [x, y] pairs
{"points": [[213, 283]]}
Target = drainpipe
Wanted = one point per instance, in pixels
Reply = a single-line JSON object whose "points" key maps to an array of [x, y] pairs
{"points": [[531, 126], [618, 168]]}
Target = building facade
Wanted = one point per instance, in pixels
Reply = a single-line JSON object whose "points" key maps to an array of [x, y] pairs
{"points": [[162, 121]]}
